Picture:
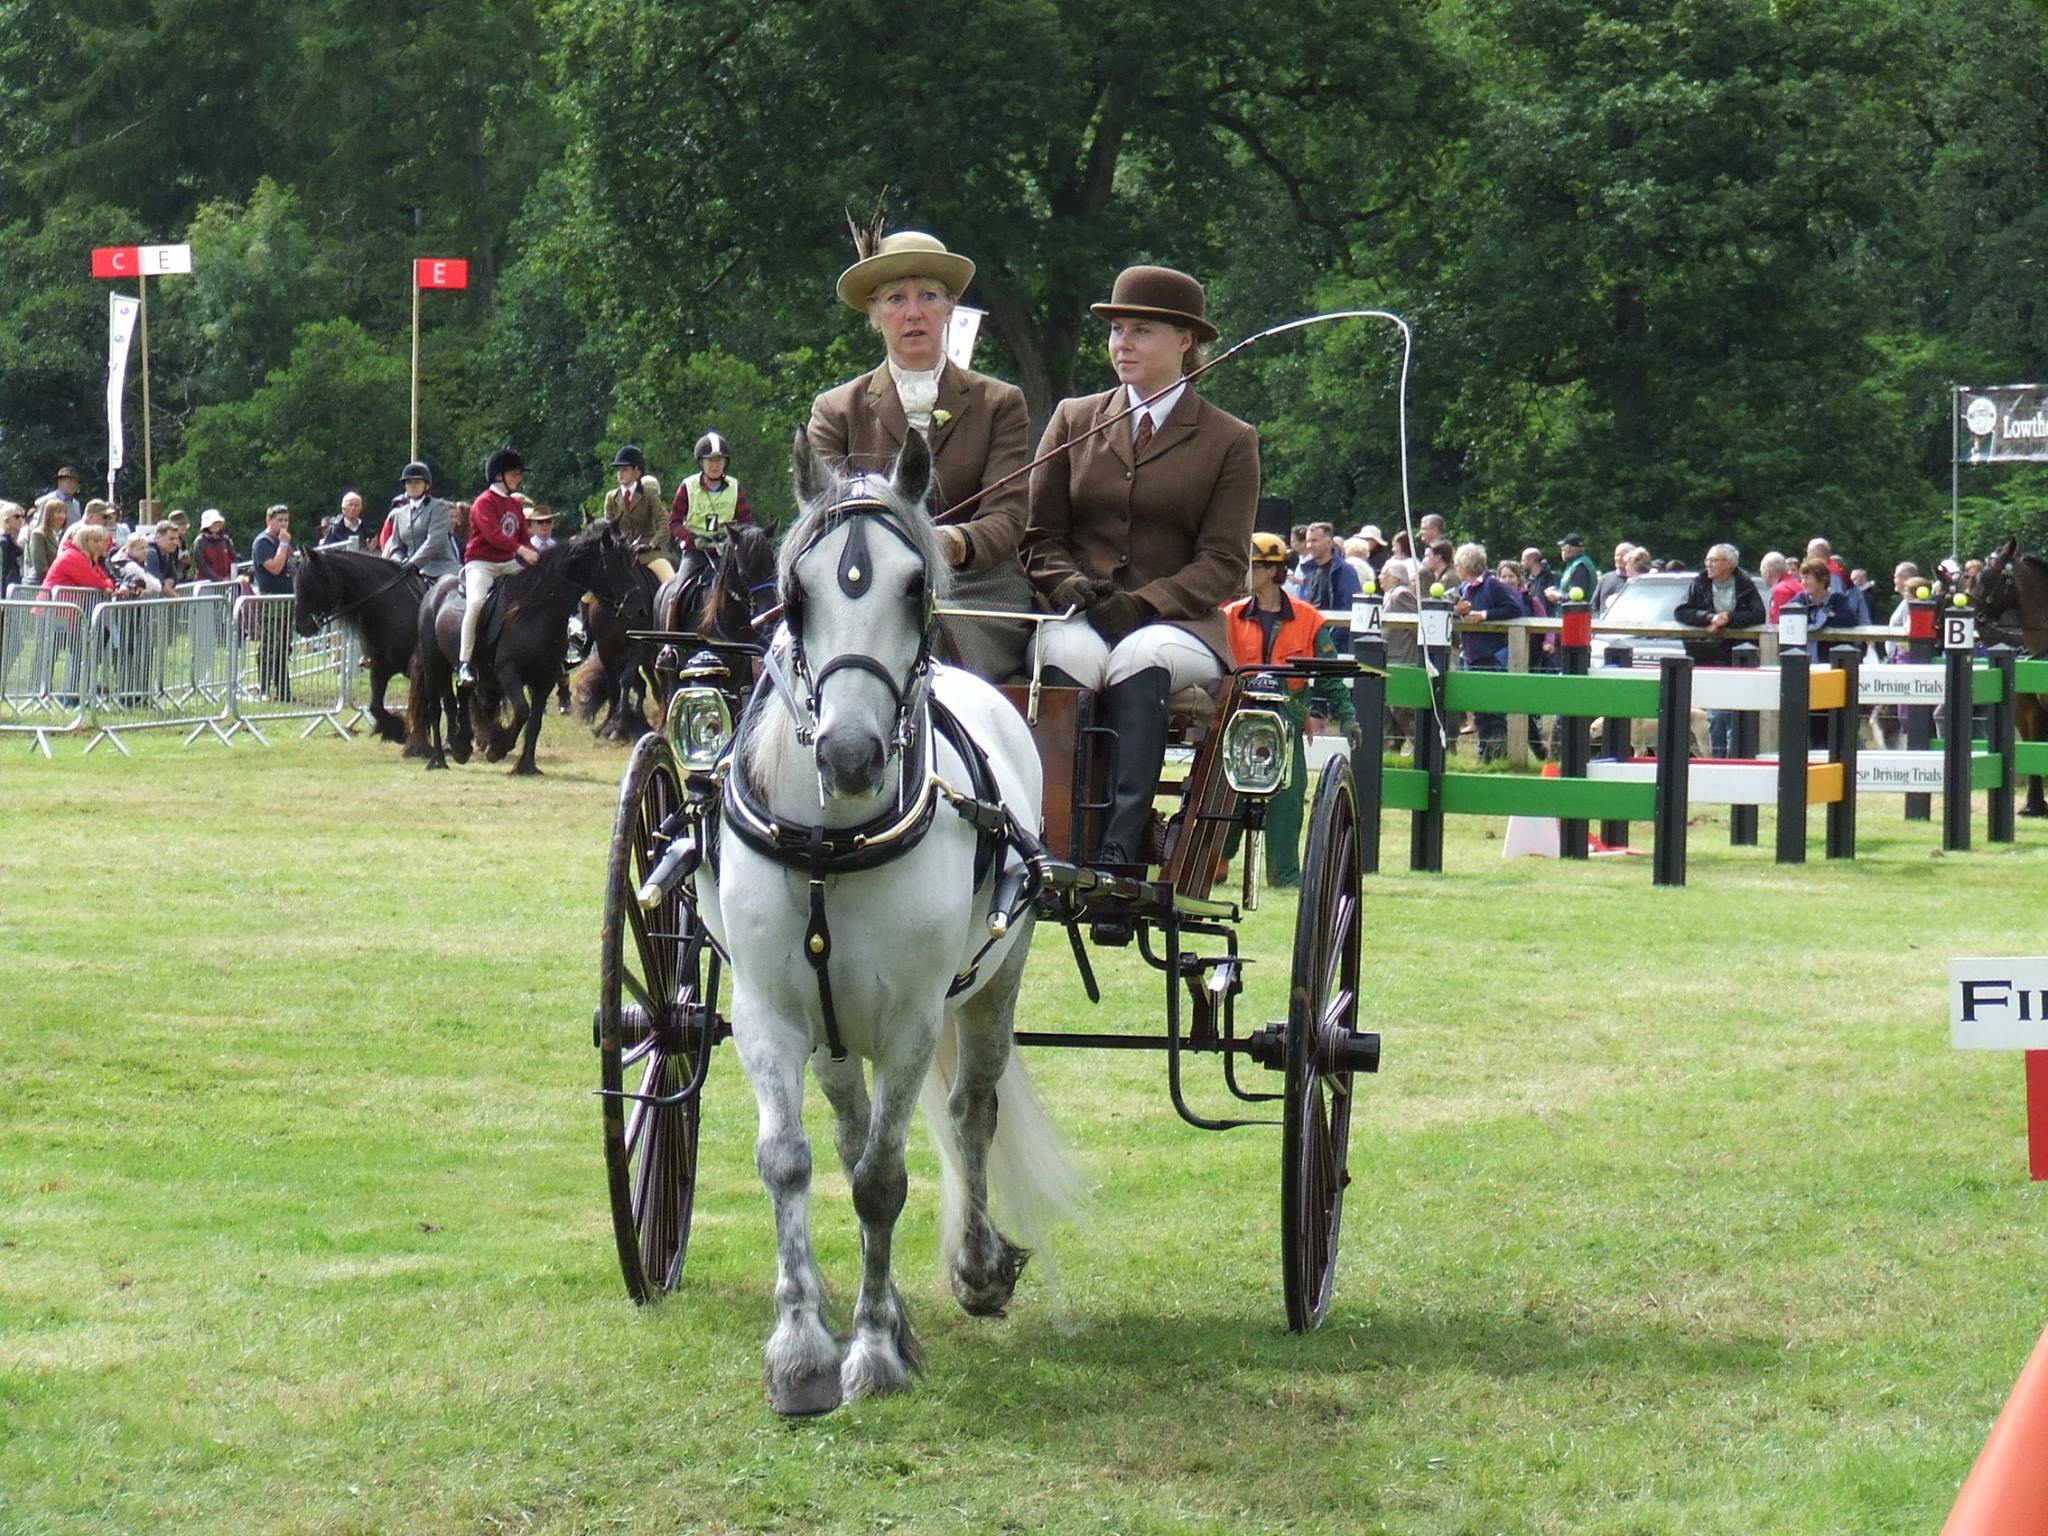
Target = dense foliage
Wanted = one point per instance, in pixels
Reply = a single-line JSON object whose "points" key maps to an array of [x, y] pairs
{"points": [[1677, 271]]}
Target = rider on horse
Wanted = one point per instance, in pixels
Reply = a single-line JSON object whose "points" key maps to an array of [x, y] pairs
{"points": [[420, 532], [634, 508], [499, 543], [707, 504]]}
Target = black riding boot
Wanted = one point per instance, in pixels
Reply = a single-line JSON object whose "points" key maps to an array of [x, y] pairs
{"points": [[1053, 677], [1135, 709]]}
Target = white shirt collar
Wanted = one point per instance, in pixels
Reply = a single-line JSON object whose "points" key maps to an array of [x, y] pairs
{"points": [[1158, 410], [918, 391]]}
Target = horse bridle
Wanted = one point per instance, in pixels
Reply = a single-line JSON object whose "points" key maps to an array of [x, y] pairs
{"points": [[1990, 618], [861, 508]]}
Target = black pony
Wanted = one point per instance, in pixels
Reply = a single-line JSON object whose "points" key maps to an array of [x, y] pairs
{"points": [[524, 657], [740, 587], [2011, 594], [379, 600]]}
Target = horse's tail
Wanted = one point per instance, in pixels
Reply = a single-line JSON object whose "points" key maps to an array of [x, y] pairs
{"points": [[422, 699], [587, 687], [1033, 1185]]}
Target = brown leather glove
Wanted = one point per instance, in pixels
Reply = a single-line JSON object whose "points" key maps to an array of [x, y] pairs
{"points": [[1080, 592], [1115, 616]]}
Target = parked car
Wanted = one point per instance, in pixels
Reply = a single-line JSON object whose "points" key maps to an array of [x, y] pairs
{"points": [[1649, 599]]}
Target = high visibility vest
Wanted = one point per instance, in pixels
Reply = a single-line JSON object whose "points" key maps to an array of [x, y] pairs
{"points": [[709, 511]]}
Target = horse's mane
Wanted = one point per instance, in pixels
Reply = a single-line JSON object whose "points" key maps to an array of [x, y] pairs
{"points": [[530, 583]]}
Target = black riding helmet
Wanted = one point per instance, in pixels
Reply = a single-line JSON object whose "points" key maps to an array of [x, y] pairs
{"points": [[416, 470], [712, 445], [630, 457], [502, 462]]}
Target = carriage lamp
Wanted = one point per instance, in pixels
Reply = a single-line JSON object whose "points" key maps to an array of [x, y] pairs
{"points": [[1258, 743], [698, 726]]}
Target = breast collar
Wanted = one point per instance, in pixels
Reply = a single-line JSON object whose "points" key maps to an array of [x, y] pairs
{"points": [[819, 852]]}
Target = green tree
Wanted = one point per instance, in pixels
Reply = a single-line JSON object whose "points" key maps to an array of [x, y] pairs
{"points": [[1671, 254], [322, 424]]}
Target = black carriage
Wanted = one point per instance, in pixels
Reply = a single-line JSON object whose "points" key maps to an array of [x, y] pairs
{"points": [[658, 1020]]}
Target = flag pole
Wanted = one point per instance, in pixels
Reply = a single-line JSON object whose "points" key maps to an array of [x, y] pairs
{"points": [[148, 465], [415, 361]]}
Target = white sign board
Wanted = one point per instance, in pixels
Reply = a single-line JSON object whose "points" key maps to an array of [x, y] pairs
{"points": [[1906, 684], [1791, 627], [1958, 632], [158, 260], [1998, 1004], [1434, 625], [1900, 772], [1365, 618]]}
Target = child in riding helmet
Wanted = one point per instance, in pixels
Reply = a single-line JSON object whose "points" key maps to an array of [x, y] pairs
{"points": [[499, 543]]}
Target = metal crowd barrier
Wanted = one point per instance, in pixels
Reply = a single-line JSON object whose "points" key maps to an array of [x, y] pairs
{"points": [[279, 674], [160, 662], [45, 666]]}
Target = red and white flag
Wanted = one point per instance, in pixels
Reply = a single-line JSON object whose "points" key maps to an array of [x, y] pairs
{"points": [[440, 272]]}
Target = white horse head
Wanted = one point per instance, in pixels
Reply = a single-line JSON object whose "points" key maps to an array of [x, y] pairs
{"points": [[860, 572]]}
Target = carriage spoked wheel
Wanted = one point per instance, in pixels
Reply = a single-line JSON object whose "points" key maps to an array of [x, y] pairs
{"points": [[1322, 1051], [655, 1027]]}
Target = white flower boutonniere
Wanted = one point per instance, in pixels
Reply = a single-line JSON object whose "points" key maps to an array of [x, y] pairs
{"points": [[940, 418]]}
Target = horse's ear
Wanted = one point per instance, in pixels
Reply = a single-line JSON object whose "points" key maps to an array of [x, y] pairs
{"points": [[913, 473], [809, 470], [2011, 547]]}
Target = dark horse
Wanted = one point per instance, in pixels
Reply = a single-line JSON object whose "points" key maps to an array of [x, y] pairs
{"points": [[718, 602], [522, 660], [2011, 593], [376, 598]]}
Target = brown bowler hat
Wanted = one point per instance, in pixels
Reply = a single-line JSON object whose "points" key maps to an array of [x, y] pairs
{"points": [[1159, 293]]}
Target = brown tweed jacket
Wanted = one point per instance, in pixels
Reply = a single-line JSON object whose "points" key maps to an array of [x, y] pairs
{"points": [[861, 425], [1174, 528], [642, 520]]}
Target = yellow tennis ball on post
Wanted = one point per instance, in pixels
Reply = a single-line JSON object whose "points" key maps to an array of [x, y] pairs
{"points": [[1924, 593], [1577, 594], [1961, 600], [1436, 589]]}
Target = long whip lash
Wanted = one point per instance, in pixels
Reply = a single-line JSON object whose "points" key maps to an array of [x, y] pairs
{"points": [[774, 615]]}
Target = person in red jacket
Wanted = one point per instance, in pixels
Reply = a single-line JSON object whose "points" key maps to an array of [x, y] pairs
{"points": [[78, 562], [499, 544]]}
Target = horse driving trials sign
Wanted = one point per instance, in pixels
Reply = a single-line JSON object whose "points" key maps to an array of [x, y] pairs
{"points": [[2002, 1005]]}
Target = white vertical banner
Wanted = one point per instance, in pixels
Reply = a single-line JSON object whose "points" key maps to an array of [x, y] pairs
{"points": [[120, 329], [960, 333]]}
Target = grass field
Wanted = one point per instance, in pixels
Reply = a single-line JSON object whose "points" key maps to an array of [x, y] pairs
{"points": [[1674, 1211]]}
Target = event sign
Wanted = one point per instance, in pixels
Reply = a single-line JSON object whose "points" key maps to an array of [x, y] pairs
{"points": [[141, 260], [2003, 424], [1998, 1004], [440, 272], [1902, 684]]}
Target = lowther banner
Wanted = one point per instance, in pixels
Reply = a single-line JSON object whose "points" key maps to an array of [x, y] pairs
{"points": [[2002, 424]]}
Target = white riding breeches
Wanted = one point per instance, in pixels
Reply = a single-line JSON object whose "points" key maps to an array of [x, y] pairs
{"points": [[1076, 649], [478, 577]]}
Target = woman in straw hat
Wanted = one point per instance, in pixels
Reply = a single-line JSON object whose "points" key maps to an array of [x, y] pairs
{"points": [[977, 428], [1144, 528]]}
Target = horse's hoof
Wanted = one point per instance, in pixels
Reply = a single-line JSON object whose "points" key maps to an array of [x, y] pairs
{"points": [[806, 1397], [526, 771], [872, 1370], [984, 1290], [2034, 810], [434, 763]]}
